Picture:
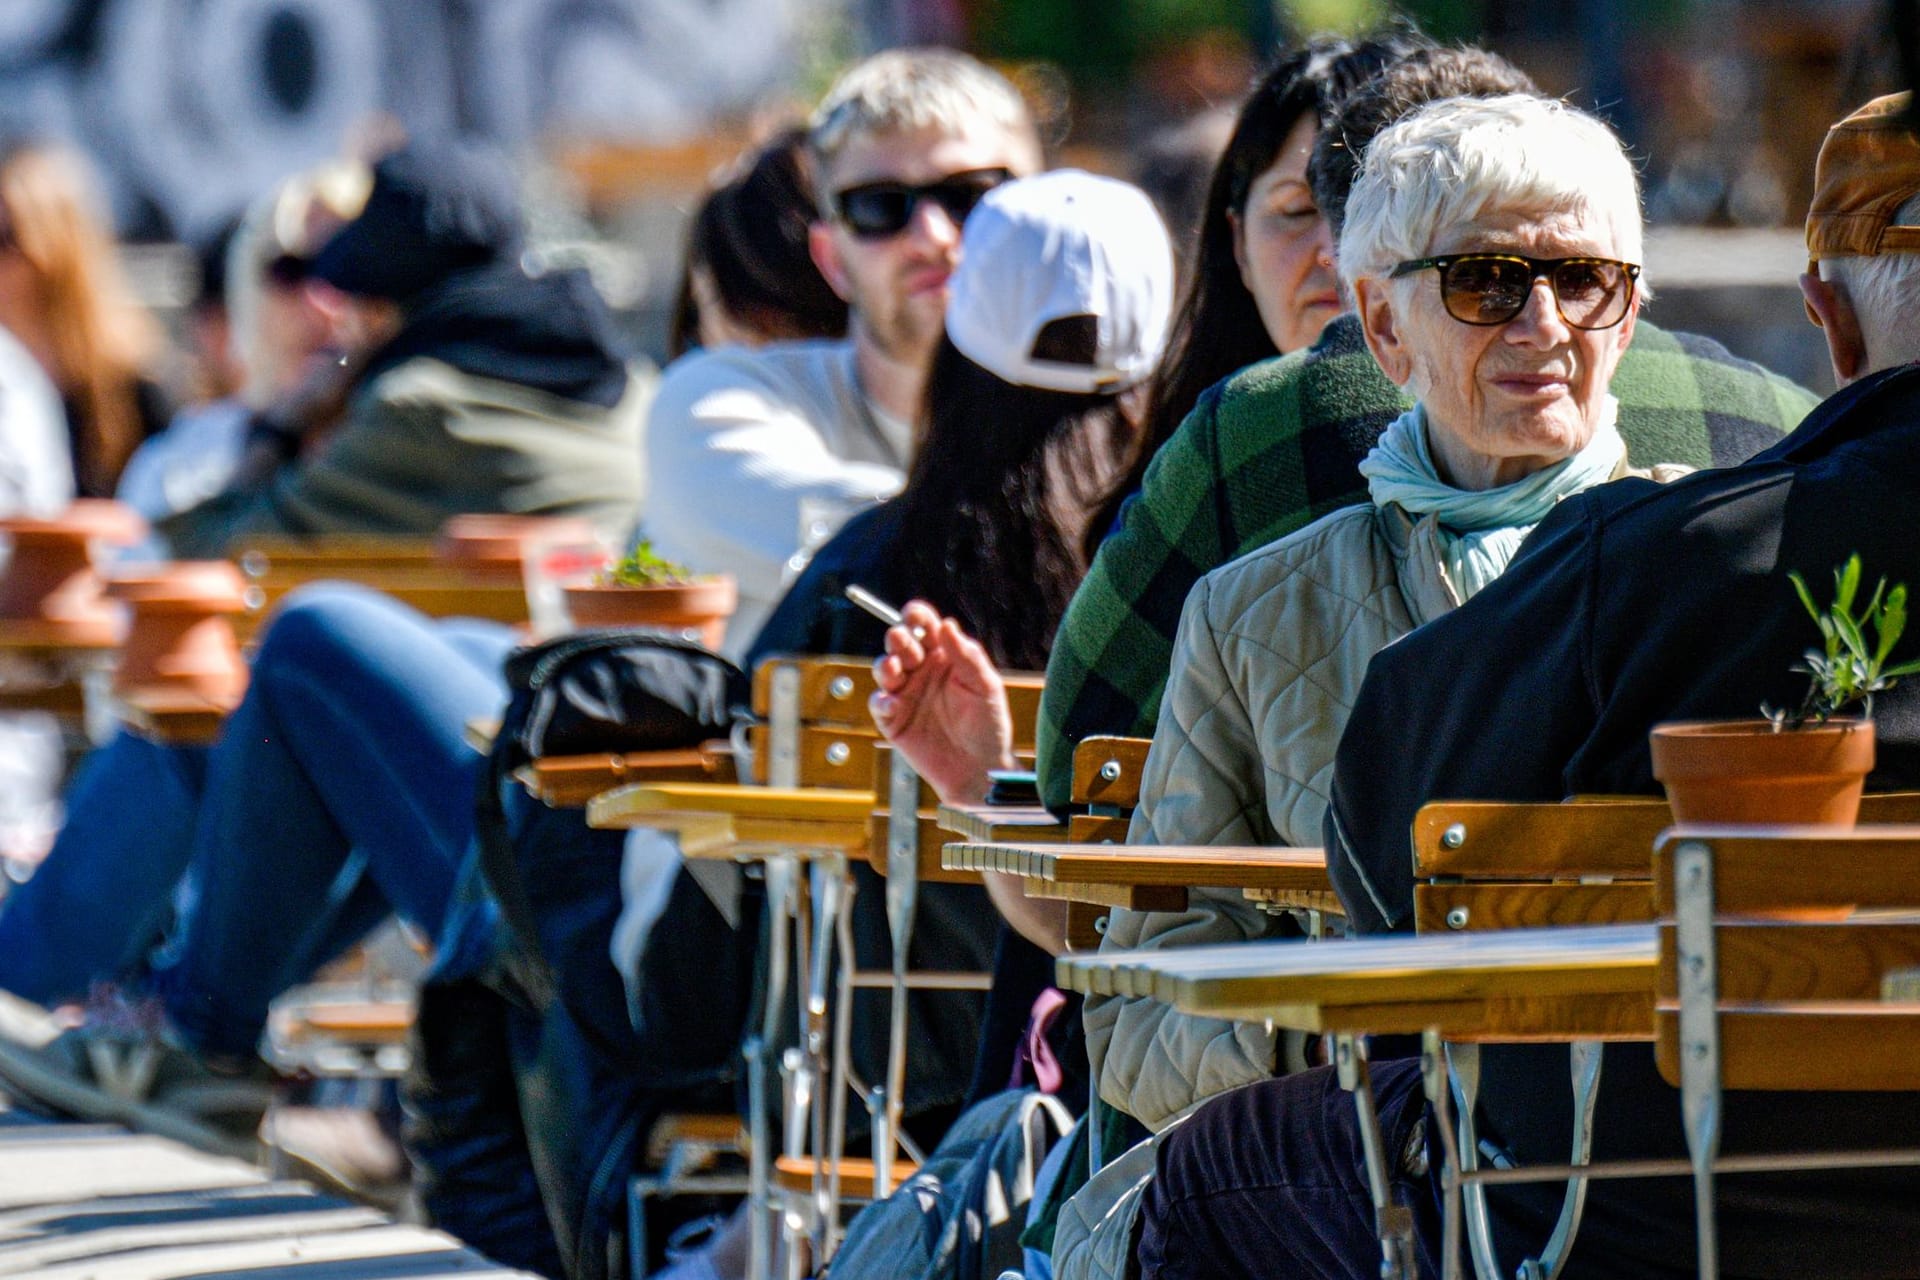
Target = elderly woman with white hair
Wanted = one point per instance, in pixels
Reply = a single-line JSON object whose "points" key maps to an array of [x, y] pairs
{"points": [[1492, 252]]}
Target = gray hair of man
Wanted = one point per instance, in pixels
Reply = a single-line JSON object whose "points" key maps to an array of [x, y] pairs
{"points": [[1885, 293], [908, 90], [1445, 166]]}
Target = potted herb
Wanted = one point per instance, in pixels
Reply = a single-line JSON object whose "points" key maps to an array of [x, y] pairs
{"points": [[643, 589], [1807, 765]]}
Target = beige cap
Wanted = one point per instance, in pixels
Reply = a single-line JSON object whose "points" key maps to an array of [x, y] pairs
{"points": [[1869, 166]]}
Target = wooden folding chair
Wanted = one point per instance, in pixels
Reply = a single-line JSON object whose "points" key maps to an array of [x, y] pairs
{"points": [[1775, 945]]}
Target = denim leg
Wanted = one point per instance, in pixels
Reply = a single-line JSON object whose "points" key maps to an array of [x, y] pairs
{"points": [[1268, 1182], [103, 895], [345, 763]]}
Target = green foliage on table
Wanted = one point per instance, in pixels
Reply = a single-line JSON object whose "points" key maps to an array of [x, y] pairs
{"points": [[1851, 667]]}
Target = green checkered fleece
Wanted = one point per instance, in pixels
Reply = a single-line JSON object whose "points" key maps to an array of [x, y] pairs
{"points": [[1278, 445]]}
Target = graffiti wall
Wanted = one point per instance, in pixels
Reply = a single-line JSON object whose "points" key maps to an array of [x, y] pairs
{"points": [[192, 106]]}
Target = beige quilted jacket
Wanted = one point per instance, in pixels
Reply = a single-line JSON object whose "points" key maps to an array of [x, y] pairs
{"points": [[1270, 654]]}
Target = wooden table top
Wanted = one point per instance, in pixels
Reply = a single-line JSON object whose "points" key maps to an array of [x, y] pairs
{"points": [[998, 823], [1586, 982], [1143, 877], [716, 820]]}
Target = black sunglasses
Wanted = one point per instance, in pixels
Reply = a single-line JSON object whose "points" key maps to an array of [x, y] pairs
{"points": [[1492, 288], [875, 210]]}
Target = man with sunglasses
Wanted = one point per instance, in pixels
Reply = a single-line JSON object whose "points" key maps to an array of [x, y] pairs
{"points": [[744, 444]]}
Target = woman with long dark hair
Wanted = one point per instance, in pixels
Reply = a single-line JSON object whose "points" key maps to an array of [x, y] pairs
{"points": [[1261, 281], [1026, 424]]}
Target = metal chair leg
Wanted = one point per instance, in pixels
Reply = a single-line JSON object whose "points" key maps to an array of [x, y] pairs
{"points": [[1393, 1222], [1463, 1061], [1699, 981]]}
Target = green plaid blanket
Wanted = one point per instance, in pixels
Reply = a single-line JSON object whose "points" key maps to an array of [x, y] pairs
{"points": [[1275, 447]]}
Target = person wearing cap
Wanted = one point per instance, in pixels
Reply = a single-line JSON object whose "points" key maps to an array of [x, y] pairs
{"points": [[1059, 306], [1619, 615], [1509, 360], [742, 444], [473, 385]]}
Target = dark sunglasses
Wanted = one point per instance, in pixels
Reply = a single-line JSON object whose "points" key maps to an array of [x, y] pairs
{"points": [[875, 210], [1492, 288]]}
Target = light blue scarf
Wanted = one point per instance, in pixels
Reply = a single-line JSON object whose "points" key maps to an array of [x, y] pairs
{"points": [[1481, 529]]}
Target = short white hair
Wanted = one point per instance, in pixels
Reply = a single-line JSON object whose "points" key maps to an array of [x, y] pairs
{"points": [[906, 90], [1445, 166], [1885, 292]]}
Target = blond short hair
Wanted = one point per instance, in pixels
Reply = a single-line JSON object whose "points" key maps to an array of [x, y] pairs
{"points": [[906, 90]]}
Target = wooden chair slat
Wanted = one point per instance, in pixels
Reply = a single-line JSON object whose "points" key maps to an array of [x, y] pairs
{"points": [[1771, 961], [1759, 869], [1087, 828], [1524, 904], [1107, 770], [931, 839], [831, 755], [1510, 841], [1804, 1047]]}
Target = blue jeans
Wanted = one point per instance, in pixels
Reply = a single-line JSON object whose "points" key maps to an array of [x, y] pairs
{"points": [[341, 790]]}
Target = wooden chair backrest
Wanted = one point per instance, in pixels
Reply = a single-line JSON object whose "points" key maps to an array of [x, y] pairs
{"points": [[1106, 779], [408, 569], [1498, 865], [1481, 864], [837, 733], [1806, 926]]}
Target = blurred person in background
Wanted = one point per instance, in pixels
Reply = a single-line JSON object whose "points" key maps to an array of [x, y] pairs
{"points": [[741, 443], [1260, 280], [216, 371], [281, 332], [472, 385], [65, 297], [748, 277], [344, 765]]}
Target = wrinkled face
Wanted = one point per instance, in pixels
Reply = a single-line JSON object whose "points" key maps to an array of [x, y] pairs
{"points": [[1502, 400], [896, 285], [1284, 248]]}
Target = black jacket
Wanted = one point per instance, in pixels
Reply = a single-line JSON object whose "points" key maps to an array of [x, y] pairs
{"points": [[1631, 605]]}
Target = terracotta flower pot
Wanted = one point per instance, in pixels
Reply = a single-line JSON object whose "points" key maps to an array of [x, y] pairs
{"points": [[494, 548], [703, 606], [181, 632], [1744, 771], [50, 590]]}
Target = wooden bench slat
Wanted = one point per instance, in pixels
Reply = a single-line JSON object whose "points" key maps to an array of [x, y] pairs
{"points": [[1760, 869], [1817, 1046], [1107, 770]]}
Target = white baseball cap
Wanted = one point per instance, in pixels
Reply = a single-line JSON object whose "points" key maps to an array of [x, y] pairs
{"points": [[1057, 247]]}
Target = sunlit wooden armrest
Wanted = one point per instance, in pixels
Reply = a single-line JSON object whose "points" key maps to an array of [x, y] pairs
{"points": [[722, 820], [719, 1132], [1518, 984], [176, 716], [794, 1174], [569, 782], [1142, 877], [1001, 823]]}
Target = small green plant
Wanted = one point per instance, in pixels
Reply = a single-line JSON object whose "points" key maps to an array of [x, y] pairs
{"points": [[643, 567], [1850, 669]]}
